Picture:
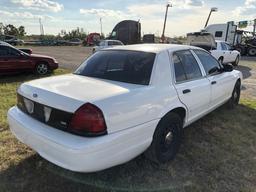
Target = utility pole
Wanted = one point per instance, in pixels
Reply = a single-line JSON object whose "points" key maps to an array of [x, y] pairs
{"points": [[213, 9], [101, 27], [254, 27], [165, 19], [41, 27]]}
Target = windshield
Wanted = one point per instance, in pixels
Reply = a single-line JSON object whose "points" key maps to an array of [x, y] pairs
{"points": [[119, 65]]}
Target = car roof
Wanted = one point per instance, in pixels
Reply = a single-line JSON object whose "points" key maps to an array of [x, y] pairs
{"points": [[4, 43], [154, 48]]}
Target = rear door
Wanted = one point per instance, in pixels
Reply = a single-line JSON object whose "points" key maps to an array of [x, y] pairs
{"points": [[4, 60], [226, 52], [192, 87], [221, 82], [232, 56]]}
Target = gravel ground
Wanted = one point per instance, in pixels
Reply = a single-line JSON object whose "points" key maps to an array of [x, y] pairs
{"points": [[71, 57]]}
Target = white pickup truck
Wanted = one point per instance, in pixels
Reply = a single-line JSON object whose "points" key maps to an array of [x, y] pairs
{"points": [[121, 102], [221, 50]]}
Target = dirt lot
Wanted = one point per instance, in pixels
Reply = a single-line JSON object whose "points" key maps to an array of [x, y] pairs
{"points": [[69, 57]]}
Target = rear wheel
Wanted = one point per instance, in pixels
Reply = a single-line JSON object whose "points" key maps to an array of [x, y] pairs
{"points": [[42, 69], [166, 139], [252, 51], [234, 100]]}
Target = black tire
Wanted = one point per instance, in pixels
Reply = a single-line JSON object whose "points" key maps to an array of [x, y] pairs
{"points": [[42, 69], [236, 62], [166, 139], [234, 100], [252, 51]]}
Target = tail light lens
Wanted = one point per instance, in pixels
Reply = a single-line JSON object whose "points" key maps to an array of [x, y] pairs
{"points": [[88, 120]]}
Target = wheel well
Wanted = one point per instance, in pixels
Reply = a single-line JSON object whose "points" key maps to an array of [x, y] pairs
{"points": [[238, 81], [44, 62], [179, 111]]}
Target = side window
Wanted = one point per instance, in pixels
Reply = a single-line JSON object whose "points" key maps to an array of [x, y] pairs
{"points": [[179, 70], [102, 43], [207, 60], [186, 66], [223, 46], [218, 34], [228, 46], [13, 52], [4, 51], [110, 43]]}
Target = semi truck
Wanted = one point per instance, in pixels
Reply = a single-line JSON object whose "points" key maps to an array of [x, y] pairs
{"points": [[243, 41], [127, 31]]}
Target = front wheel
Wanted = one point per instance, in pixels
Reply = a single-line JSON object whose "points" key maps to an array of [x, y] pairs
{"points": [[42, 69], [166, 139], [234, 100], [236, 62]]}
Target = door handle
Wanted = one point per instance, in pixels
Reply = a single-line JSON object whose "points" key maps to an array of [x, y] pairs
{"points": [[186, 91], [214, 82]]}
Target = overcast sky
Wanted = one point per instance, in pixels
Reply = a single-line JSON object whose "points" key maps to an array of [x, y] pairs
{"points": [[185, 15]]}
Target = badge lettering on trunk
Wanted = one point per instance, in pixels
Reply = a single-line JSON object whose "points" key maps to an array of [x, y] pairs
{"points": [[47, 113]]}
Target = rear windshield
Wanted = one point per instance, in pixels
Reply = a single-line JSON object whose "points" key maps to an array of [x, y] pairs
{"points": [[119, 65]]}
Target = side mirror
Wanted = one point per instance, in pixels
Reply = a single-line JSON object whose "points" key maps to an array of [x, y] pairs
{"points": [[228, 68]]}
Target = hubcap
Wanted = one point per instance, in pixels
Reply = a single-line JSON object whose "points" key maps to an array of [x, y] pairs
{"points": [[253, 51], [168, 138], [42, 69]]}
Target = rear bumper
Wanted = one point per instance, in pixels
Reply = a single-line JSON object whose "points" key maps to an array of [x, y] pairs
{"points": [[77, 153]]}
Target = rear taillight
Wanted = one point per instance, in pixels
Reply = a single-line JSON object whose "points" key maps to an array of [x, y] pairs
{"points": [[88, 120]]}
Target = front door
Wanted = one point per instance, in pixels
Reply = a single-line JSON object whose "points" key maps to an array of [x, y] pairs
{"points": [[220, 82], [193, 89]]}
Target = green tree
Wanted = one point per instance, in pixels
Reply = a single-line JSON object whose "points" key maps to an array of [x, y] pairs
{"points": [[21, 30], [12, 30]]}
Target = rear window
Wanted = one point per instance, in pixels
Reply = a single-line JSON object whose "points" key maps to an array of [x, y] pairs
{"points": [[117, 65]]}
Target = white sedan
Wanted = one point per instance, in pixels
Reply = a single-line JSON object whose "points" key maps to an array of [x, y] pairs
{"points": [[221, 50], [225, 54], [107, 44], [120, 103]]}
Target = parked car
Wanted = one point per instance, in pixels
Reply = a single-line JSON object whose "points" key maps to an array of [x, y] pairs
{"points": [[13, 60], [221, 50], [26, 50], [120, 103], [226, 54], [107, 44], [11, 40], [92, 39]]}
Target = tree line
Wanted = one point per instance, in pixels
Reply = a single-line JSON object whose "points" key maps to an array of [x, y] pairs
{"points": [[12, 30]]}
